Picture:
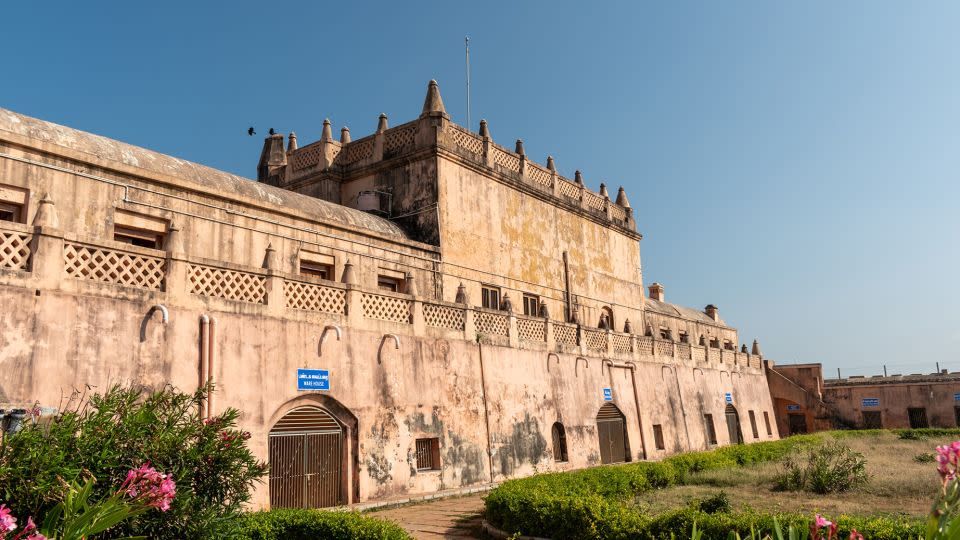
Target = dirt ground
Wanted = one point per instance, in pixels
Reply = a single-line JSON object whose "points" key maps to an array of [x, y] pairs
{"points": [[897, 484]]}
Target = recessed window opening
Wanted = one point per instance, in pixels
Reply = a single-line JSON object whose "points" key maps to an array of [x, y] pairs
{"points": [[658, 437], [428, 454], [711, 430], [389, 284], [753, 425], [11, 212], [918, 417], [715, 343], [559, 442], [531, 305], [728, 345], [138, 237], [684, 337], [665, 333], [490, 297], [318, 270], [766, 421]]}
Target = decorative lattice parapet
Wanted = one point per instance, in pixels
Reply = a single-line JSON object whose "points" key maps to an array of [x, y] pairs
{"points": [[306, 157], [645, 345], [593, 201], [385, 308], [622, 343], [565, 334], [756, 362], [505, 159], [108, 265], [663, 348], [617, 213], [683, 350], [713, 355], [356, 151], [532, 329], [699, 354], [595, 340], [15, 250], [228, 284], [539, 175], [568, 188], [466, 140], [399, 139], [491, 323], [313, 297], [438, 316]]}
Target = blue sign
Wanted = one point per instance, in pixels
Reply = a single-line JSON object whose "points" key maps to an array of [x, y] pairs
{"points": [[793, 407], [728, 397], [870, 402], [313, 379], [956, 397], [607, 394]]}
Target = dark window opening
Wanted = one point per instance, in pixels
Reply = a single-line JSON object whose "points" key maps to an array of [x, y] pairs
{"points": [[658, 437], [318, 270], [11, 212], [766, 421], [665, 333], [728, 345], [559, 443], [606, 318], [872, 420], [428, 454], [684, 337], [714, 343], [956, 415], [138, 237], [389, 284], [531, 305], [711, 430], [753, 425], [490, 297], [918, 417]]}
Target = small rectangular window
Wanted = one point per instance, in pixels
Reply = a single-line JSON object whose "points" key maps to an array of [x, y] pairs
{"points": [[428, 454], [11, 212], [766, 421], [390, 284], [684, 337], [531, 305], [753, 425], [956, 415], [658, 437], [665, 333], [322, 271], [715, 343], [918, 417], [138, 237], [711, 430], [490, 297], [728, 345]]}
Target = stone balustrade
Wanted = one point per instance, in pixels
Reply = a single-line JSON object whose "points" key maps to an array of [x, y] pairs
{"points": [[42, 257]]}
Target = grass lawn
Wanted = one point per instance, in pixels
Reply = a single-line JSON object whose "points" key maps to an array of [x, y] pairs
{"points": [[897, 483]]}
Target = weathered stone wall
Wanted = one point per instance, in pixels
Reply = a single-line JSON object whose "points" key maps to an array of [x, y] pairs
{"points": [[938, 399]]}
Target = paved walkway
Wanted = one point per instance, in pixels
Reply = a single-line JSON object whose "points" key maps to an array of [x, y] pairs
{"points": [[456, 517]]}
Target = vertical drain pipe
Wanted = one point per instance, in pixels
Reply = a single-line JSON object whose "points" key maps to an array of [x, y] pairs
{"points": [[204, 359], [486, 414], [636, 402], [211, 362]]}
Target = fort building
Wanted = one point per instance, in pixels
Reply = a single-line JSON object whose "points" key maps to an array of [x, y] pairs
{"points": [[415, 310]]}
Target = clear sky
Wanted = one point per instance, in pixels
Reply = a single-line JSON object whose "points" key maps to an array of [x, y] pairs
{"points": [[794, 163]]}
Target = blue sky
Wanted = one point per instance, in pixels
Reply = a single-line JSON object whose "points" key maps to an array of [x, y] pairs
{"points": [[794, 163]]}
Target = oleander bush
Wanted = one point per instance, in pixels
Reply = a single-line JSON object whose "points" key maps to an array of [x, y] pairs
{"points": [[305, 524], [103, 437]]}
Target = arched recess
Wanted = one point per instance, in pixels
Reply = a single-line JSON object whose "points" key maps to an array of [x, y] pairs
{"points": [[559, 436], [312, 448], [612, 434], [733, 425], [606, 318]]}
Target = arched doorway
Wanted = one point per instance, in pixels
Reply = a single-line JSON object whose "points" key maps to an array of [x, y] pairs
{"points": [[733, 425], [559, 442], [612, 432], [307, 459]]}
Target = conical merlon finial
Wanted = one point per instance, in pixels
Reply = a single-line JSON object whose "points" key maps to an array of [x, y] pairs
{"points": [[327, 133], [484, 129], [551, 166], [578, 177], [519, 147], [344, 135], [433, 103], [622, 198], [382, 123], [603, 191], [292, 142]]}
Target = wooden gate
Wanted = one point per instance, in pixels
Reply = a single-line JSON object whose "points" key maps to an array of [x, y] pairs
{"points": [[733, 425], [797, 423], [611, 430], [306, 459]]}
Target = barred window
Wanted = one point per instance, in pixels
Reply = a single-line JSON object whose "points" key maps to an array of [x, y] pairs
{"points": [[428, 454], [490, 297]]}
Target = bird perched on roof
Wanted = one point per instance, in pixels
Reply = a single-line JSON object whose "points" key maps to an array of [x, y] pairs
{"points": [[251, 132]]}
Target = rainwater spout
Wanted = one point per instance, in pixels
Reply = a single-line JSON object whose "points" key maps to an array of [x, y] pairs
{"points": [[396, 346], [163, 311], [323, 336]]}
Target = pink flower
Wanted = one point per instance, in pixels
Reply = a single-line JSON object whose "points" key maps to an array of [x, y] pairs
{"points": [[150, 487], [854, 535], [822, 522], [31, 531], [7, 521]]}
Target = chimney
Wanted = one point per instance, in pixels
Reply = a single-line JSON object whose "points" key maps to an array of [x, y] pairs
{"points": [[273, 157], [656, 292], [712, 312]]}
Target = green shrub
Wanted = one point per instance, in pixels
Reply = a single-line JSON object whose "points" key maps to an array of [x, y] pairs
{"points": [[107, 435], [679, 523], [306, 524], [921, 434], [717, 503], [829, 468], [926, 457]]}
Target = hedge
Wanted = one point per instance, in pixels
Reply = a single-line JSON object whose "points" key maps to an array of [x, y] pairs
{"points": [[307, 524], [590, 503]]}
